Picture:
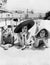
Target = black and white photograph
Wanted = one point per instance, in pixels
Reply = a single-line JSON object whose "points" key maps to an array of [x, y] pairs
{"points": [[24, 32]]}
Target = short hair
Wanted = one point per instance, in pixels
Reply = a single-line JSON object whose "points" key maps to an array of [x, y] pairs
{"points": [[46, 33]]}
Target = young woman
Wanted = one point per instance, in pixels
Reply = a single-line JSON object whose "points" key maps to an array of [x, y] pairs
{"points": [[23, 34], [41, 39]]}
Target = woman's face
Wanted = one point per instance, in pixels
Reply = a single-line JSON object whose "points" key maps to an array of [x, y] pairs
{"points": [[42, 34], [25, 29]]}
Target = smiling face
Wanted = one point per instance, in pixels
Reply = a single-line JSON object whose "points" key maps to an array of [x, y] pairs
{"points": [[24, 29], [42, 34]]}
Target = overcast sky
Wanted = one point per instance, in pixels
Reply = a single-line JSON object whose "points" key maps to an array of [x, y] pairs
{"points": [[36, 5]]}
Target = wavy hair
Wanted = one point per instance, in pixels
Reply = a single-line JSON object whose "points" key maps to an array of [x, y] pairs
{"points": [[46, 33]]}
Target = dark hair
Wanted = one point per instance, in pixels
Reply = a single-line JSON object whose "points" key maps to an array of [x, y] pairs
{"points": [[9, 26], [46, 33], [47, 15], [15, 19]]}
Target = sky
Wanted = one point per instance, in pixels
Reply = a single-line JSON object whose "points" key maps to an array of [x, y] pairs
{"points": [[36, 5]]}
